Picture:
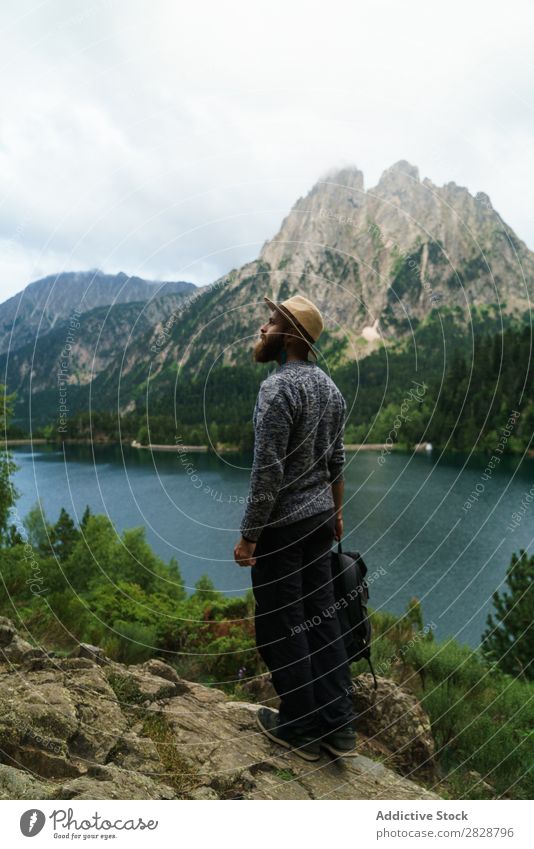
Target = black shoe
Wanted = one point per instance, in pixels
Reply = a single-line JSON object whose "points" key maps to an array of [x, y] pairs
{"points": [[340, 743], [305, 747]]}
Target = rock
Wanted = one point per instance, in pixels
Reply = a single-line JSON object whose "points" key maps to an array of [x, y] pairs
{"points": [[144, 683], [7, 631], [394, 717], [203, 793], [156, 680], [53, 722], [19, 784], [261, 690], [15, 650], [134, 753], [36, 653], [89, 728], [231, 754], [113, 783], [480, 783], [12, 646], [86, 650], [161, 670]]}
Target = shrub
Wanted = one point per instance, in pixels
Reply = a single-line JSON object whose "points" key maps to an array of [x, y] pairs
{"points": [[135, 642]]}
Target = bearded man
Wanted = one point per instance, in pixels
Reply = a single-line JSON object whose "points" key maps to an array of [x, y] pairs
{"points": [[294, 512]]}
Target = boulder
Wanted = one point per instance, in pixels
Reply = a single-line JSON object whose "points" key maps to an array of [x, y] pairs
{"points": [[15, 651], [13, 648], [16, 783], [261, 690], [86, 650], [393, 716], [7, 631]]}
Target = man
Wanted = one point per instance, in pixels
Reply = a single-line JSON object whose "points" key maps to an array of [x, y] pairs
{"points": [[294, 512]]}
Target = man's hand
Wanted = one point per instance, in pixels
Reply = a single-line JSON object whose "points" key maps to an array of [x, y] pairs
{"points": [[338, 488], [243, 553]]}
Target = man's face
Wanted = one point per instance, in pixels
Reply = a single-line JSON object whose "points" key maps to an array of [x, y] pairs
{"points": [[272, 338]]}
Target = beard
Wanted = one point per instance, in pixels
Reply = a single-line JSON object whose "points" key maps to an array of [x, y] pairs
{"points": [[266, 352]]}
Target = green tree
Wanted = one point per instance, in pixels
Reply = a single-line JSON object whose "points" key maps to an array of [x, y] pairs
{"points": [[509, 637], [37, 528], [63, 536], [143, 436], [93, 554], [134, 561], [14, 537], [85, 518], [205, 589], [8, 493]]}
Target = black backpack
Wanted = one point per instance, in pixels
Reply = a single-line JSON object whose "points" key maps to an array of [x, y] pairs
{"points": [[351, 595]]}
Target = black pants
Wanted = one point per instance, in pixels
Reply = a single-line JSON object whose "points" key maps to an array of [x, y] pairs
{"points": [[300, 643]]}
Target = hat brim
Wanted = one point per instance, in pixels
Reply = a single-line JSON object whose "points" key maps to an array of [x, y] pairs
{"points": [[272, 304]]}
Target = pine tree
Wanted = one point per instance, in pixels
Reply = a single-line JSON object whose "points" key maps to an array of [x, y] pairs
{"points": [[63, 535], [509, 638], [85, 518], [38, 529], [205, 590]]}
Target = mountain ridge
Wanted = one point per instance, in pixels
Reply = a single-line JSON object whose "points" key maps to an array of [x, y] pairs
{"points": [[378, 262], [43, 303]]}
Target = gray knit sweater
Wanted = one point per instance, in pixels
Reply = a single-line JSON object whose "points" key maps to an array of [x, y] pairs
{"points": [[299, 419]]}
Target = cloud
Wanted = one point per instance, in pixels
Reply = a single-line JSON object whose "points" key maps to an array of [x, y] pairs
{"points": [[170, 139]]}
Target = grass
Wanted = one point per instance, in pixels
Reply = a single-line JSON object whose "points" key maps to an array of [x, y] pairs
{"points": [[285, 774], [180, 773], [126, 689]]}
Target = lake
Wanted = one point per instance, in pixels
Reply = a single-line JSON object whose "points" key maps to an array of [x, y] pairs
{"points": [[407, 517]]}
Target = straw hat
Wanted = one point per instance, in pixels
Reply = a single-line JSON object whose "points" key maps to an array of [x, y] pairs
{"points": [[303, 315]]}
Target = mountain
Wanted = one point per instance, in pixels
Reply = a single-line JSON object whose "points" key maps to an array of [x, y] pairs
{"points": [[46, 302], [376, 262], [405, 273], [405, 268], [95, 344]]}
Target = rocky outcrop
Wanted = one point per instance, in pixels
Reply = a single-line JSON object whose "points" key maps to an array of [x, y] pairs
{"points": [[85, 727], [391, 722], [394, 717]]}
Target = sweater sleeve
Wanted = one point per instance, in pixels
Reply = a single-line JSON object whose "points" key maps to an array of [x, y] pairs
{"points": [[274, 418], [337, 459]]}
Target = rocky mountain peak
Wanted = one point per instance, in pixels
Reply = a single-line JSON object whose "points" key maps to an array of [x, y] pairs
{"points": [[348, 177], [350, 251], [337, 188], [400, 173]]}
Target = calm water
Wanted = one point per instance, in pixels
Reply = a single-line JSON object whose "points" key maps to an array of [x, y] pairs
{"points": [[405, 516]]}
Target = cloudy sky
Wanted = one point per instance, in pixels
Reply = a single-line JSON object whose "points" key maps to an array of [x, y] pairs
{"points": [[169, 139]]}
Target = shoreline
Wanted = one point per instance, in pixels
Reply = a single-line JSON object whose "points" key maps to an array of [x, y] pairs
{"points": [[234, 448], [223, 449], [37, 441], [420, 448]]}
